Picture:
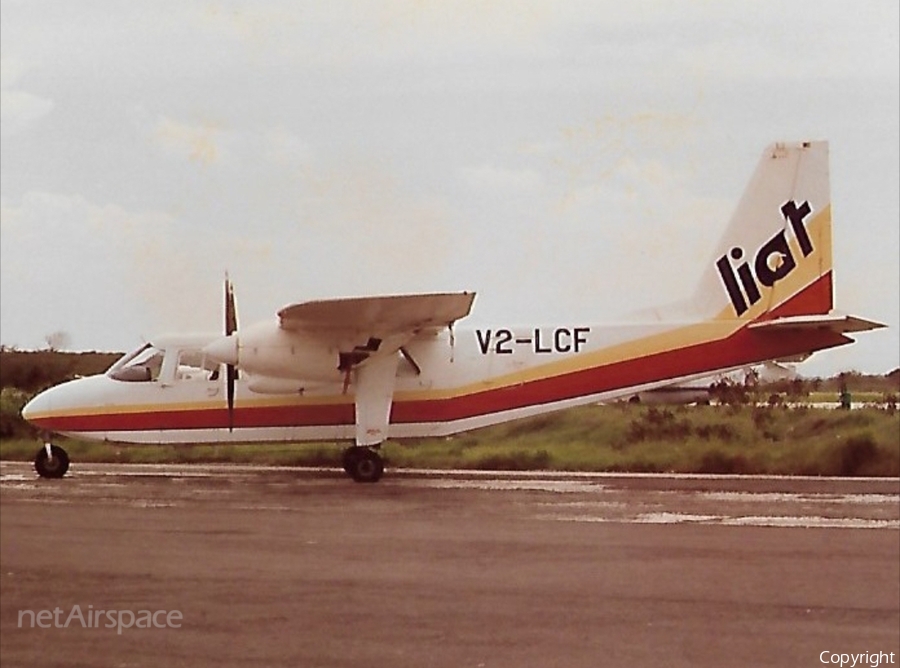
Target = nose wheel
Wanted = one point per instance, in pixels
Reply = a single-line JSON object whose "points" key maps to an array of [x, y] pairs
{"points": [[363, 464], [51, 461]]}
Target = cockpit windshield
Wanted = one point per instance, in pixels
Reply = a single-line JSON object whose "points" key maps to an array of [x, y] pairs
{"points": [[140, 365]]}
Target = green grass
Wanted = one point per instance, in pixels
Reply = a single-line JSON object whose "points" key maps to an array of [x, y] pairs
{"points": [[621, 437], [712, 439]]}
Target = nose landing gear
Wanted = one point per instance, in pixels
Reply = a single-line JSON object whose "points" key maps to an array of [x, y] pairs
{"points": [[51, 461], [363, 464]]}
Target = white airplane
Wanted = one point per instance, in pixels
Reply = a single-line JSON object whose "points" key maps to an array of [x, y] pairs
{"points": [[371, 368]]}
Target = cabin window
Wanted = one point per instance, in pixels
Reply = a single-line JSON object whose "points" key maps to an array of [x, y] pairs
{"points": [[193, 364]]}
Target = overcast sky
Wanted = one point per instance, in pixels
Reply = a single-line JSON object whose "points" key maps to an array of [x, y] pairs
{"points": [[569, 161]]}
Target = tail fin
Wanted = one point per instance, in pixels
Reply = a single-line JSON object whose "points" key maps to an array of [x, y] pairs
{"points": [[774, 259]]}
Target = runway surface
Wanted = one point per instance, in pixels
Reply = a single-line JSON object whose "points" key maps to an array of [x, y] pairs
{"points": [[287, 567]]}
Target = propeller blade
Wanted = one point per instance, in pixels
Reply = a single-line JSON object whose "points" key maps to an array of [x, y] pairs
{"points": [[231, 373], [230, 309], [230, 378]]}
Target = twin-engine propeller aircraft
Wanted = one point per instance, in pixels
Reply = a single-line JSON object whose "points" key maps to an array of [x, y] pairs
{"points": [[372, 368]]}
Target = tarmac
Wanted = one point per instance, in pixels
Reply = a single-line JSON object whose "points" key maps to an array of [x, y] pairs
{"points": [[293, 567]]}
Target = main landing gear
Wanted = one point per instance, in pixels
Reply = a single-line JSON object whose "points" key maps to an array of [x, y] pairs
{"points": [[363, 464], [51, 461]]}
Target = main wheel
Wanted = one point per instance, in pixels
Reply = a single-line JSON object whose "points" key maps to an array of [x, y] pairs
{"points": [[348, 459], [53, 466], [363, 464]]}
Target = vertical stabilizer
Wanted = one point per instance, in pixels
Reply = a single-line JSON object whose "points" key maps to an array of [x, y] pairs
{"points": [[774, 259]]}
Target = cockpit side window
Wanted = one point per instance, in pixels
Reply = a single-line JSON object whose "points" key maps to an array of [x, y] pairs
{"points": [[126, 358], [143, 365]]}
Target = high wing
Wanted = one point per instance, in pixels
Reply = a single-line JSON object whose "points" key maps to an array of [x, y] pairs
{"points": [[380, 317], [382, 326]]}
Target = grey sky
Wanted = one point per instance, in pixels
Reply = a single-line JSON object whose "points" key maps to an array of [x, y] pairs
{"points": [[568, 160]]}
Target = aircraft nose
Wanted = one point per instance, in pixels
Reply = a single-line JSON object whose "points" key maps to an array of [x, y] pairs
{"points": [[41, 404], [223, 350], [76, 406]]}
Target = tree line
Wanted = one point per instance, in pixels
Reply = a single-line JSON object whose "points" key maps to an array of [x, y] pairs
{"points": [[34, 370]]}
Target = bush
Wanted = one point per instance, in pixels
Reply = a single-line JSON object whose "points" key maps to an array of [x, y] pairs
{"points": [[12, 400], [658, 424], [857, 453], [716, 431], [717, 461]]}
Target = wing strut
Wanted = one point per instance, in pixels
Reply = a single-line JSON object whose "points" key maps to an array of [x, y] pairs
{"points": [[375, 380]]}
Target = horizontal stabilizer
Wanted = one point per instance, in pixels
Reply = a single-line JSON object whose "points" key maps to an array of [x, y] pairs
{"points": [[840, 323]]}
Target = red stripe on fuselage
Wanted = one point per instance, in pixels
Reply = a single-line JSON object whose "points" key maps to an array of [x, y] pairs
{"points": [[743, 348]]}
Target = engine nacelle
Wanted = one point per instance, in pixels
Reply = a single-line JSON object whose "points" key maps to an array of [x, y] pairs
{"points": [[269, 385], [265, 349]]}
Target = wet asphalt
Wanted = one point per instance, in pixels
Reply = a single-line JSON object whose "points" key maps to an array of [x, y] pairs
{"points": [[283, 567]]}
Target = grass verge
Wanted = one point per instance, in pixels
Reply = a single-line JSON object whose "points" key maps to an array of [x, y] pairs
{"points": [[620, 437]]}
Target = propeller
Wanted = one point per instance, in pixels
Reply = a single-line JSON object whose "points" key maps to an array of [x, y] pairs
{"points": [[231, 372]]}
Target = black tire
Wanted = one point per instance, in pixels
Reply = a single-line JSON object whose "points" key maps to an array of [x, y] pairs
{"points": [[54, 466], [365, 465], [348, 459]]}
